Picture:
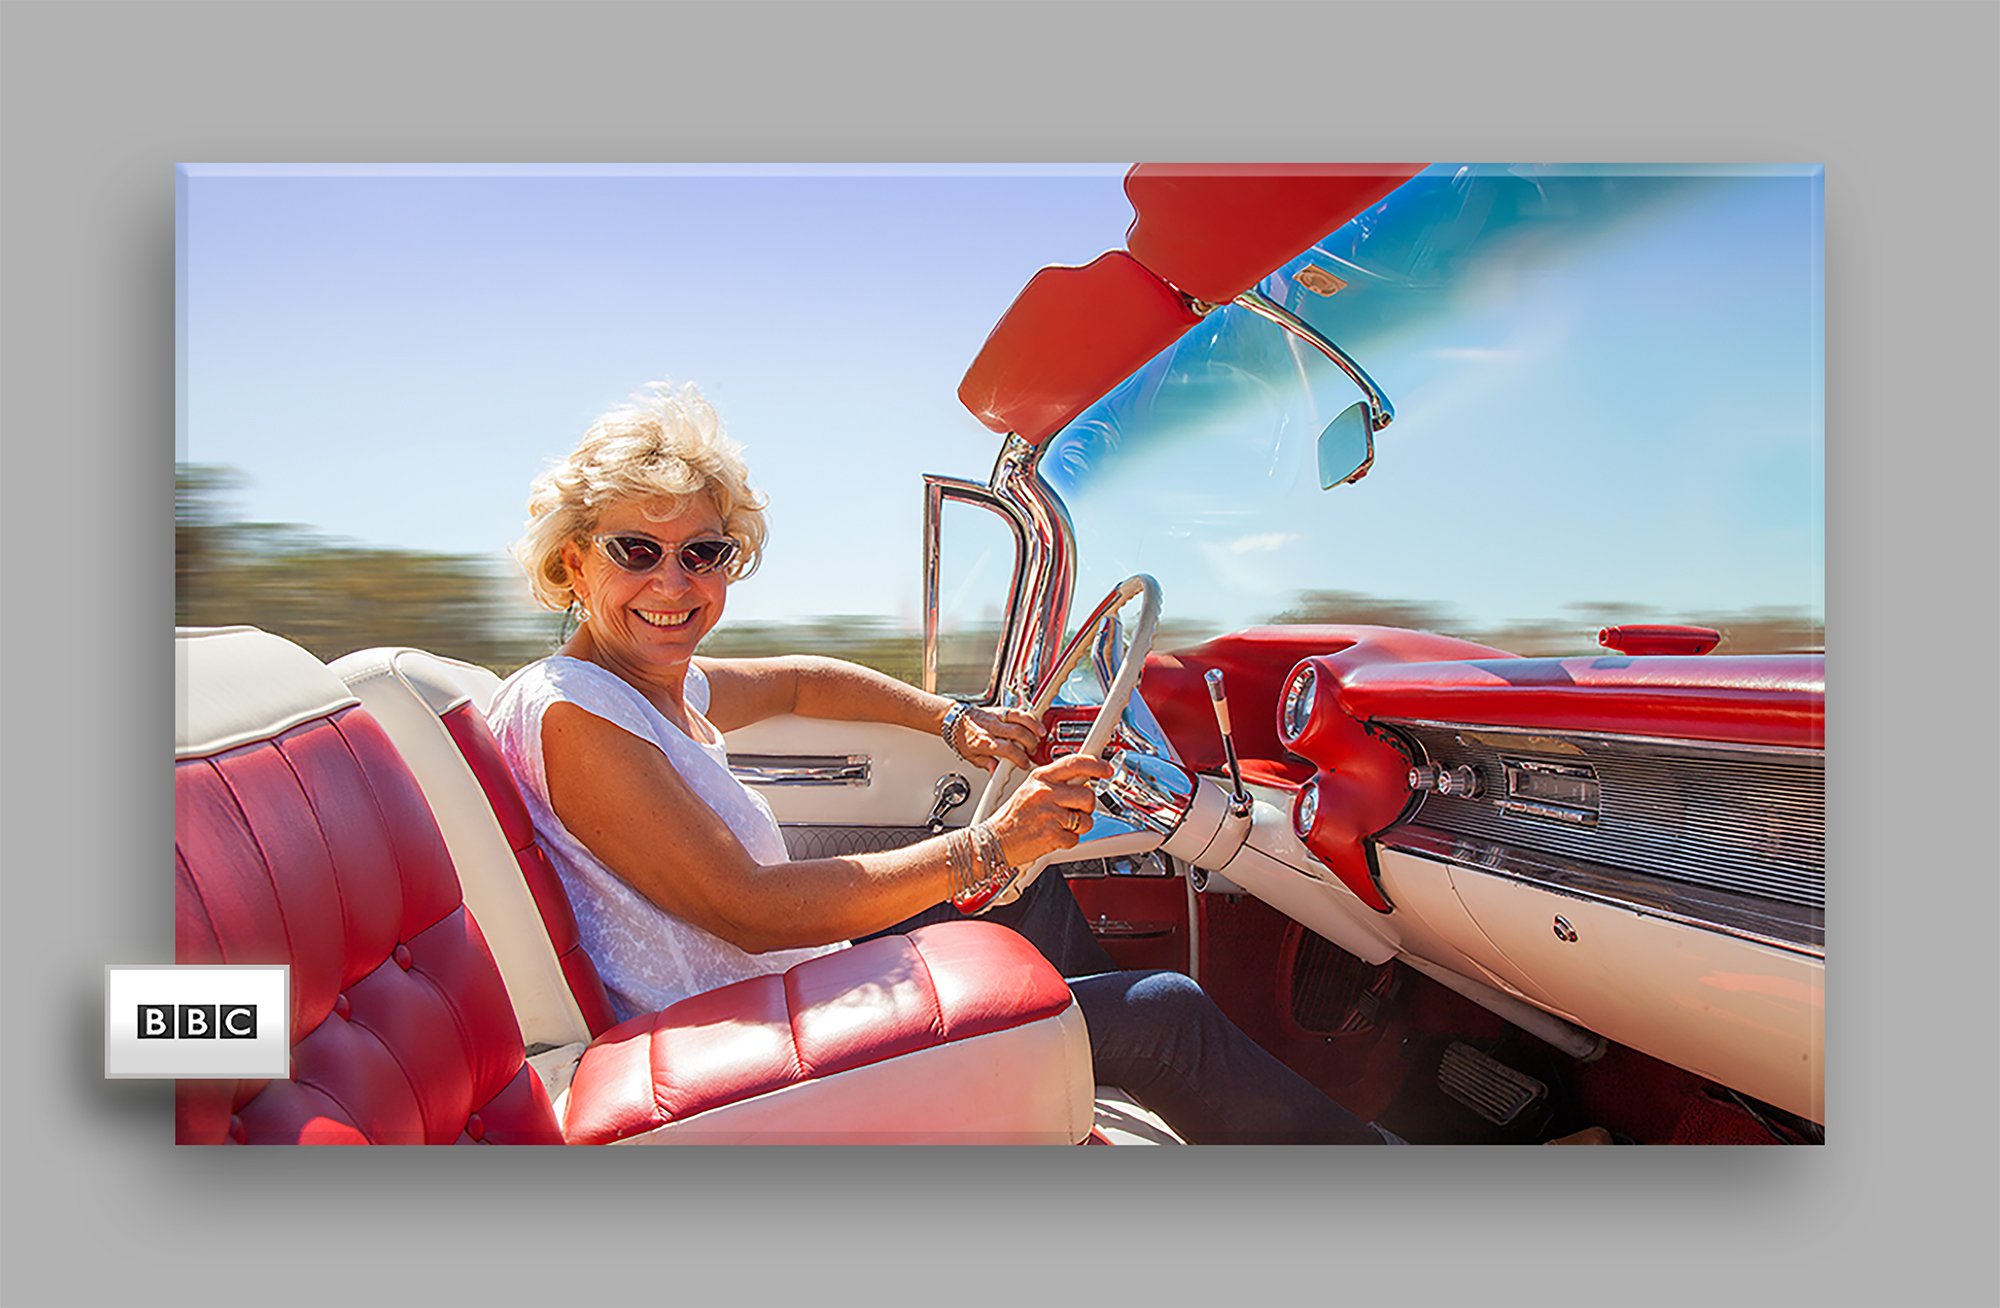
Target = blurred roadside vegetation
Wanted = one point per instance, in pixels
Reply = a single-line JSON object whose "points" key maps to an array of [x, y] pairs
{"points": [[334, 596]]}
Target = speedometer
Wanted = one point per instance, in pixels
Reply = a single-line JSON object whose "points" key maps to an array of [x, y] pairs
{"points": [[1298, 706]]}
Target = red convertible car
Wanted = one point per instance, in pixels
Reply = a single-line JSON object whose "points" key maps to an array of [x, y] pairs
{"points": [[1475, 896]]}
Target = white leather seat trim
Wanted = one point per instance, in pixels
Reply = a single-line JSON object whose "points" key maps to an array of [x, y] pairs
{"points": [[236, 685], [1027, 1085], [403, 688], [557, 1068]]}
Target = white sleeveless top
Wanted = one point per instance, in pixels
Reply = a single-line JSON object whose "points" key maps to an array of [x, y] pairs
{"points": [[647, 957]]}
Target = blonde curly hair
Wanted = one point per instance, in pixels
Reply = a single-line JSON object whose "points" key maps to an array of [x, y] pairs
{"points": [[663, 447]]}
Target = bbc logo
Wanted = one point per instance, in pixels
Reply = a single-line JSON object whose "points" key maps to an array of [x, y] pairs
{"points": [[197, 1021]]}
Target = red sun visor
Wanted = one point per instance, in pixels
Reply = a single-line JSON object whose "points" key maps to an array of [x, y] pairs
{"points": [[1216, 230], [1070, 336]]}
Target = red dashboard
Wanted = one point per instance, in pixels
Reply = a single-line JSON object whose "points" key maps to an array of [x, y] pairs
{"points": [[1367, 676]]}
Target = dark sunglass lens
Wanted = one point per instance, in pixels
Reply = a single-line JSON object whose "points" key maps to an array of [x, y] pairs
{"points": [[701, 556], [634, 553]]}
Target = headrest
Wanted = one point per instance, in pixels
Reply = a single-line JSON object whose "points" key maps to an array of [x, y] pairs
{"points": [[236, 685], [443, 684]]}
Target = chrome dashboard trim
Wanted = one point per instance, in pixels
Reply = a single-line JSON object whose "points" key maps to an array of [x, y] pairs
{"points": [[1788, 927], [1675, 743]]}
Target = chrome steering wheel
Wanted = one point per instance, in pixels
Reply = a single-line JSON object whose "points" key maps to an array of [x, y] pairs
{"points": [[1116, 696]]}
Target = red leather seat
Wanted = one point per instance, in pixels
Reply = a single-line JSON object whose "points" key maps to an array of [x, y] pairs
{"points": [[919, 1038], [302, 837]]}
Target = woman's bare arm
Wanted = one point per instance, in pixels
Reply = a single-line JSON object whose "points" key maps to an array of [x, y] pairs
{"points": [[742, 691], [629, 806]]}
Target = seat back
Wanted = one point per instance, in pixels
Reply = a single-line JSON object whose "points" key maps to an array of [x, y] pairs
{"points": [[434, 711], [301, 838]]}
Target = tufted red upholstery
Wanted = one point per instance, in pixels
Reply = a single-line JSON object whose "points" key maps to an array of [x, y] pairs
{"points": [[934, 987], [481, 751], [315, 848]]}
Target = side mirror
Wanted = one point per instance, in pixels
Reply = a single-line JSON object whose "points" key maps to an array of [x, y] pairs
{"points": [[1346, 447]]}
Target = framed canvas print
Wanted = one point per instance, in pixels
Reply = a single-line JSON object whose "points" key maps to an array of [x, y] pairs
{"points": [[1142, 654]]}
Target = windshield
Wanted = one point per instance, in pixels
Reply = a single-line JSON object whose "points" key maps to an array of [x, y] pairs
{"points": [[1607, 385]]}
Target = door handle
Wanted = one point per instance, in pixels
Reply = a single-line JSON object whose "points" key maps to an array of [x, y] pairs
{"points": [[952, 790]]}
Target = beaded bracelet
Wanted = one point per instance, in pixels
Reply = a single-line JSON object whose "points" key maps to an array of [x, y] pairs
{"points": [[978, 866]]}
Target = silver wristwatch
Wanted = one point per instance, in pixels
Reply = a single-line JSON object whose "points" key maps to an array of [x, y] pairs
{"points": [[949, 727]]}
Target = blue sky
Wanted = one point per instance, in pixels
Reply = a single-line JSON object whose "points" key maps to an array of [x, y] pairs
{"points": [[1631, 394]]}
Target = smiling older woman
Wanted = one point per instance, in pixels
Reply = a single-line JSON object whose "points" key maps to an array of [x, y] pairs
{"points": [[679, 873]]}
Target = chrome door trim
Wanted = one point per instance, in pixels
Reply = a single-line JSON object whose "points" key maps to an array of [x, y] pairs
{"points": [[801, 769]]}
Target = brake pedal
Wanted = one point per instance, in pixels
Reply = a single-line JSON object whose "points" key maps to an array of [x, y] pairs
{"points": [[1487, 1086]]}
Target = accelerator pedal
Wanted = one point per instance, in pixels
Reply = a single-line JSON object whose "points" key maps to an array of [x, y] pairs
{"points": [[1487, 1086]]}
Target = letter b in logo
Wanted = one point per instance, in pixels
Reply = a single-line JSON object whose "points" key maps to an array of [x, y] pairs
{"points": [[156, 1021]]}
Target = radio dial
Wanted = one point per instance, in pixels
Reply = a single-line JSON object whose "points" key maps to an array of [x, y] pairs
{"points": [[1461, 782]]}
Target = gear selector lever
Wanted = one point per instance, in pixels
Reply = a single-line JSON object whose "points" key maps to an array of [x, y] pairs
{"points": [[1239, 798]]}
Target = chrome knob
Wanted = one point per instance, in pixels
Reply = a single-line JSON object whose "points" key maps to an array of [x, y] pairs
{"points": [[1424, 777], [1462, 782]]}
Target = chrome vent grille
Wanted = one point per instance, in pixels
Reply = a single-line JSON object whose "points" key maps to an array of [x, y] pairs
{"points": [[1752, 822]]}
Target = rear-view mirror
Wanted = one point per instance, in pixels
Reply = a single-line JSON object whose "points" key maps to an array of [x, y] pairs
{"points": [[1346, 447]]}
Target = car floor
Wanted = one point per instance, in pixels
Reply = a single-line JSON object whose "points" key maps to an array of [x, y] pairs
{"points": [[1381, 1058]]}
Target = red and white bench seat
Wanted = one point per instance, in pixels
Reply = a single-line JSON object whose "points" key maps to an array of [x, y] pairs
{"points": [[302, 838]]}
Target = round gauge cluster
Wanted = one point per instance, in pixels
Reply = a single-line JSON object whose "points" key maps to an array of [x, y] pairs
{"points": [[1297, 709]]}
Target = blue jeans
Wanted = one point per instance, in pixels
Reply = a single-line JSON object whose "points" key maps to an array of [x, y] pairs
{"points": [[1161, 1039]]}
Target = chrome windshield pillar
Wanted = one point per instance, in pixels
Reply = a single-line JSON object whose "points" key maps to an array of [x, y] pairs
{"points": [[1047, 578]]}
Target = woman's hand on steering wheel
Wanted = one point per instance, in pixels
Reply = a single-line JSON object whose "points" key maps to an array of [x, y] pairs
{"points": [[1051, 810], [989, 737]]}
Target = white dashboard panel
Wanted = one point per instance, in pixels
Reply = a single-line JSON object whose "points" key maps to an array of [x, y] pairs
{"points": [[1433, 924], [1742, 1013]]}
